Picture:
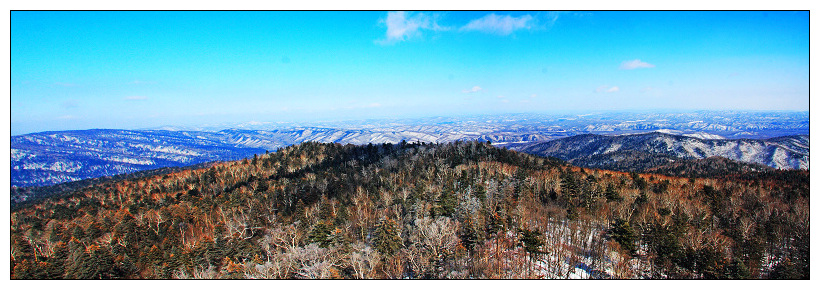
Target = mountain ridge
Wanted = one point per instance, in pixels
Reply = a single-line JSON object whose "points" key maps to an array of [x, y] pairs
{"points": [[61, 156], [592, 150]]}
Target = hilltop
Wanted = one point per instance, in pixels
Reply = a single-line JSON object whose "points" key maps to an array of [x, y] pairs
{"points": [[416, 210]]}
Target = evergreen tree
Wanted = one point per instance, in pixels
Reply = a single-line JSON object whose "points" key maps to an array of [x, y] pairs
{"points": [[446, 204], [532, 242], [624, 235], [386, 237], [570, 189], [320, 234], [611, 194], [469, 235], [738, 270]]}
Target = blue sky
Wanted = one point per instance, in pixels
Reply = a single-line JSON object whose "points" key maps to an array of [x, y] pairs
{"points": [[81, 70]]}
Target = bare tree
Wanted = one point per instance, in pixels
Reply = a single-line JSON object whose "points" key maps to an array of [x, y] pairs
{"points": [[363, 260], [438, 237]]}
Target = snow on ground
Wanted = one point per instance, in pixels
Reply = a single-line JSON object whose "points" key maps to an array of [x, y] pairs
{"points": [[167, 149], [578, 250], [130, 160], [59, 166], [704, 136]]}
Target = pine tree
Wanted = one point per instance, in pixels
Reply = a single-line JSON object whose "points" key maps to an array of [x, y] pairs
{"points": [[738, 270], [570, 189], [386, 237], [469, 235], [320, 234], [446, 204], [623, 234], [611, 194]]}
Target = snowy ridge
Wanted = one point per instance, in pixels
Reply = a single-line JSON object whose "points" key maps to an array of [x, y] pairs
{"points": [[789, 152], [52, 157]]}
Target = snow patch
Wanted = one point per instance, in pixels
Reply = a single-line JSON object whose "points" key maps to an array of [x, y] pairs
{"points": [[129, 160]]}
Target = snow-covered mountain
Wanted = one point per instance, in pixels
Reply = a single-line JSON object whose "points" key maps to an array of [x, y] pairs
{"points": [[788, 152], [54, 157]]}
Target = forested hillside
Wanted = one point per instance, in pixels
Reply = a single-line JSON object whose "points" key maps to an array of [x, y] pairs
{"points": [[415, 210], [638, 152]]}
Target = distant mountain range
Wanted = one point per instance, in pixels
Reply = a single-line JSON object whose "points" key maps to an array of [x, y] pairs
{"points": [[54, 157], [642, 152], [48, 158]]}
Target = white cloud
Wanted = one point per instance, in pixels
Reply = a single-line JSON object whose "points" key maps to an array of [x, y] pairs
{"points": [[135, 98], [635, 63], [473, 90], [502, 25], [402, 25], [501, 97], [607, 89]]}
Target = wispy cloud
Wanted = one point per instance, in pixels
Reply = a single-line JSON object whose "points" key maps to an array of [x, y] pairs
{"points": [[472, 90], [403, 25], [549, 19], [635, 64], [135, 98], [607, 89], [69, 104], [502, 25], [501, 97], [67, 117]]}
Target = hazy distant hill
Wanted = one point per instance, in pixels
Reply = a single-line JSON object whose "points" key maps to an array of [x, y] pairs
{"points": [[644, 151]]}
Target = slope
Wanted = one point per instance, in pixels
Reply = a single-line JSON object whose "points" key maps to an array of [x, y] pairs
{"points": [[414, 210], [643, 151]]}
